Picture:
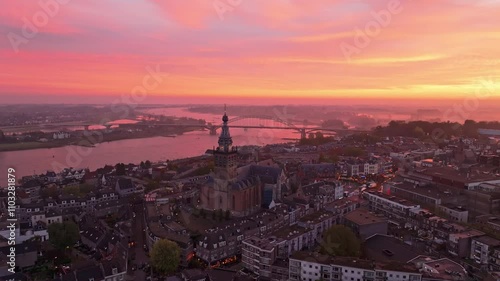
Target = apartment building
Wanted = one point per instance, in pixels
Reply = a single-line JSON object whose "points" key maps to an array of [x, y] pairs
{"points": [[482, 249], [390, 206], [365, 223], [305, 266], [454, 212], [459, 244]]}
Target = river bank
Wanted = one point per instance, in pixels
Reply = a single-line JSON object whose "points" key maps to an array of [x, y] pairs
{"points": [[82, 141]]}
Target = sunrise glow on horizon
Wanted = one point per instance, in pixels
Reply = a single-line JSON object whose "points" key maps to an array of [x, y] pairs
{"points": [[440, 49]]}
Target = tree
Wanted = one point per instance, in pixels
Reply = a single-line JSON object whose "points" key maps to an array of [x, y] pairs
{"points": [[341, 241], [354, 151], [63, 235], [50, 192], [228, 215], [220, 214], [334, 124], [203, 214], [319, 135], [120, 169], [165, 256], [418, 132], [147, 164], [152, 185]]}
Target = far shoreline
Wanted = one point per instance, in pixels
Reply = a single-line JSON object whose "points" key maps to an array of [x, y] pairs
{"points": [[22, 146]]}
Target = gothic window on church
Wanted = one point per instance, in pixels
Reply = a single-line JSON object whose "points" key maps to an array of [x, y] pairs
{"points": [[220, 200]]}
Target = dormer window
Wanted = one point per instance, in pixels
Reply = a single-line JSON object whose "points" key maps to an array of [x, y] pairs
{"points": [[104, 195], [112, 195], [50, 204], [29, 210], [72, 201], [92, 198], [64, 202], [37, 209], [83, 203]]}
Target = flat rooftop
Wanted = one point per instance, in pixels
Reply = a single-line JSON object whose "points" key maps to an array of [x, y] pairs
{"points": [[454, 207], [446, 264], [328, 260], [449, 173], [490, 241], [264, 243], [316, 217], [290, 232], [381, 248], [428, 191], [392, 198], [353, 262], [364, 217]]}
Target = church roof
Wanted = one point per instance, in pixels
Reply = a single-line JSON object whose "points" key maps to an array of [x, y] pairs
{"points": [[267, 174], [246, 182]]}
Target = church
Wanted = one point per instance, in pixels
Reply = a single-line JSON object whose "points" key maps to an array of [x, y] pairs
{"points": [[238, 190]]}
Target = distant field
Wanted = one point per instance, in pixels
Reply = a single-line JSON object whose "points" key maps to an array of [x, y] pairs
{"points": [[27, 145]]}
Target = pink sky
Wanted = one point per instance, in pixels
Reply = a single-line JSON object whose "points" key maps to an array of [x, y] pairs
{"points": [[277, 50]]}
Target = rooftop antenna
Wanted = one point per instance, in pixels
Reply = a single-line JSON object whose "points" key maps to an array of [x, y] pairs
{"points": [[224, 108]]}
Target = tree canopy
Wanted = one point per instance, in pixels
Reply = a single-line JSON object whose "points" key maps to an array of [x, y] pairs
{"points": [[120, 169], [63, 235], [340, 241], [165, 256]]}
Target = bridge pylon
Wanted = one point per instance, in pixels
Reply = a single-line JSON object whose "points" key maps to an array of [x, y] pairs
{"points": [[303, 134]]}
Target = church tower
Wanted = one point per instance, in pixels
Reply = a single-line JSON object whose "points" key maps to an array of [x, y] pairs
{"points": [[225, 155]]}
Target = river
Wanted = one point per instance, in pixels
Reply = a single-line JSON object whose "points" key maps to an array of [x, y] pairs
{"points": [[28, 162]]}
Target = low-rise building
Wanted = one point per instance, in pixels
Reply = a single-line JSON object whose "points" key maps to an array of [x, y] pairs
{"points": [[454, 212], [306, 266], [365, 223], [459, 244], [482, 249], [390, 206]]}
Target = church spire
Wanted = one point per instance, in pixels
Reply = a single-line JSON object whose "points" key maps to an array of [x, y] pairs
{"points": [[225, 140]]}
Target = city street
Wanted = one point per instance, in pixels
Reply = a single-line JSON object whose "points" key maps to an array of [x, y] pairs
{"points": [[139, 237]]}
